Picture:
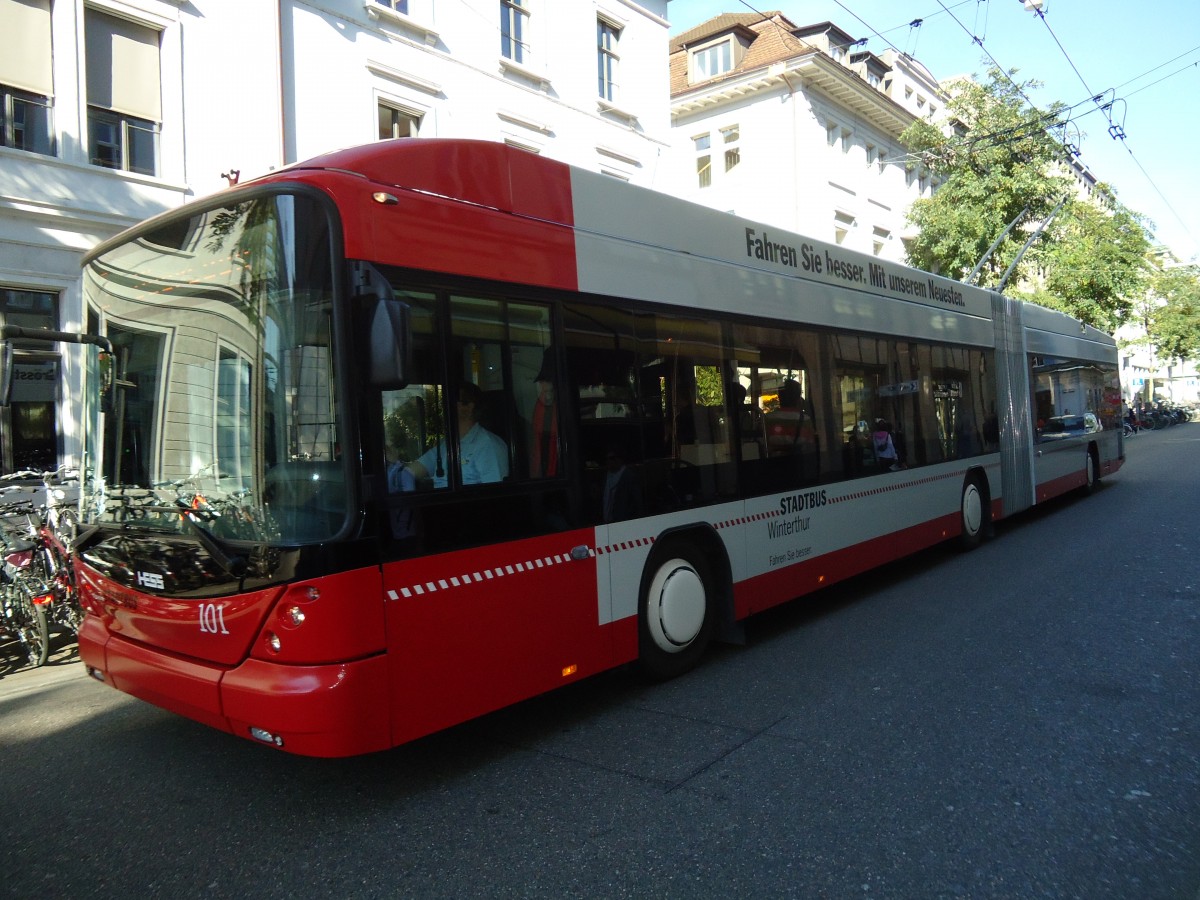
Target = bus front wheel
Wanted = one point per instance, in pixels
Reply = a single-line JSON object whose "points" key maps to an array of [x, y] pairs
{"points": [[675, 612]]}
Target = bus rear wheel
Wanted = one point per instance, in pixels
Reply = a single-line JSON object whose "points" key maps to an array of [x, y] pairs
{"points": [[1091, 472], [675, 612], [974, 513]]}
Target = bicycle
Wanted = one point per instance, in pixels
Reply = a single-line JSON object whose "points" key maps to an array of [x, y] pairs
{"points": [[50, 530], [21, 600]]}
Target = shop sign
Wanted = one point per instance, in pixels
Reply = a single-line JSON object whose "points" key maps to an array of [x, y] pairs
{"points": [[34, 381]]}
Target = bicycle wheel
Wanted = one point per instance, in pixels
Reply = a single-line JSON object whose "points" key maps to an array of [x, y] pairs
{"points": [[28, 620]]}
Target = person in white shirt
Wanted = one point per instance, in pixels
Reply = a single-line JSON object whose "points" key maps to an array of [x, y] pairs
{"points": [[482, 456]]}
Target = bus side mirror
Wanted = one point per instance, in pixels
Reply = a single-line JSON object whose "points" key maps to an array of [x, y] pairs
{"points": [[389, 343], [6, 372]]}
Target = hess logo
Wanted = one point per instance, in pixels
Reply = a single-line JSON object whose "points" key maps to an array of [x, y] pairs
{"points": [[151, 580]]}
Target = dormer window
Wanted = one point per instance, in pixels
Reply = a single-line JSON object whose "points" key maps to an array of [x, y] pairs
{"points": [[838, 53], [711, 60]]}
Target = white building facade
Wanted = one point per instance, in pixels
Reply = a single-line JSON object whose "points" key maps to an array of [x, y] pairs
{"points": [[796, 126], [114, 110]]}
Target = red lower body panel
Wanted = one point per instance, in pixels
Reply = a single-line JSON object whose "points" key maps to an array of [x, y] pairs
{"points": [[1062, 485], [773, 588]]}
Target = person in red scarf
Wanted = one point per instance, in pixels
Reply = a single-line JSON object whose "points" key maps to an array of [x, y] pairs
{"points": [[544, 456]]}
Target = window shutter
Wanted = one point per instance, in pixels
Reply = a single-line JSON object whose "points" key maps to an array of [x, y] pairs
{"points": [[123, 66], [25, 49]]}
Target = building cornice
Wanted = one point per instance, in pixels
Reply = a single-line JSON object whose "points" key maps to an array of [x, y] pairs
{"points": [[816, 71]]}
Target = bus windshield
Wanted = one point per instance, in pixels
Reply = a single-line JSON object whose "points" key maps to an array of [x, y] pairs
{"points": [[222, 406]]}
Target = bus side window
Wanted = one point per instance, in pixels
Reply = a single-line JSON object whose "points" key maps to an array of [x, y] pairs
{"points": [[503, 347]]}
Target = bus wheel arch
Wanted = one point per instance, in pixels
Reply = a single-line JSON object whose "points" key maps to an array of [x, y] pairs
{"points": [[684, 597], [975, 510]]}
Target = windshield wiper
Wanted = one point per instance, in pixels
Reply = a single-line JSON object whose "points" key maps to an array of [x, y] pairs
{"points": [[232, 562]]}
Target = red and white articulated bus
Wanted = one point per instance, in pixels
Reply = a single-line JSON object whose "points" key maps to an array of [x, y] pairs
{"points": [[403, 434]]}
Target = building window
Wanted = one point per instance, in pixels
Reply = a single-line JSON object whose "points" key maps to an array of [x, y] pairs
{"points": [[713, 60], [874, 80], [122, 142], [234, 380], [880, 237], [730, 137], [397, 123], [25, 121], [124, 106], [842, 223], [703, 145], [400, 6], [607, 58], [26, 79], [514, 26]]}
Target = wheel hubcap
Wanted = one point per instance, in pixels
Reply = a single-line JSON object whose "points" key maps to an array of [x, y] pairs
{"points": [[972, 509], [679, 605]]}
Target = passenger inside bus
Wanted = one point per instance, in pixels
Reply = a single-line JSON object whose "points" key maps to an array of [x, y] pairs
{"points": [[483, 457], [543, 457]]}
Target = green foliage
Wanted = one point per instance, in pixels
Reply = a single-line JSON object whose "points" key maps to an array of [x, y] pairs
{"points": [[1173, 324], [1094, 264], [710, 388], [415, 426], [1090, 261], [1003, 165]]}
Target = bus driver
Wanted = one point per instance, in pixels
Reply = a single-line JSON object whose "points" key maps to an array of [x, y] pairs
{"points": [[483, 456]]}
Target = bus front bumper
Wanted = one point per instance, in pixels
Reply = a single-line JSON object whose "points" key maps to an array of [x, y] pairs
{"points": [[336, 709]]}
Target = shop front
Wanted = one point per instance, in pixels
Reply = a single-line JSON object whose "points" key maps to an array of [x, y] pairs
{"points": [[29, 432]]}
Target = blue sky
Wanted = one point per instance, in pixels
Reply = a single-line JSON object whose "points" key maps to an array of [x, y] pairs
{"points": [[1143, 57]]}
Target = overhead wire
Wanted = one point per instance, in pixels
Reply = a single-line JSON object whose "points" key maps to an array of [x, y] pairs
{"points": [[1055, 116], [1160, 80], [1117, 132], [1159, 66]]}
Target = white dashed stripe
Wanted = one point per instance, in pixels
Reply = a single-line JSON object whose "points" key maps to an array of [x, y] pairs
{"points": [[509, 569]]}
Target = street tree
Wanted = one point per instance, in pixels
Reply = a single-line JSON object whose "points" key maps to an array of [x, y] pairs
{"points": [[1004, 164], [1000, 164], [1173, 323], [1094, 262]]}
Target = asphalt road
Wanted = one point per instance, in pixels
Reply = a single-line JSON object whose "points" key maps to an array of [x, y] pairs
{"points": [[1022, 721]]}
